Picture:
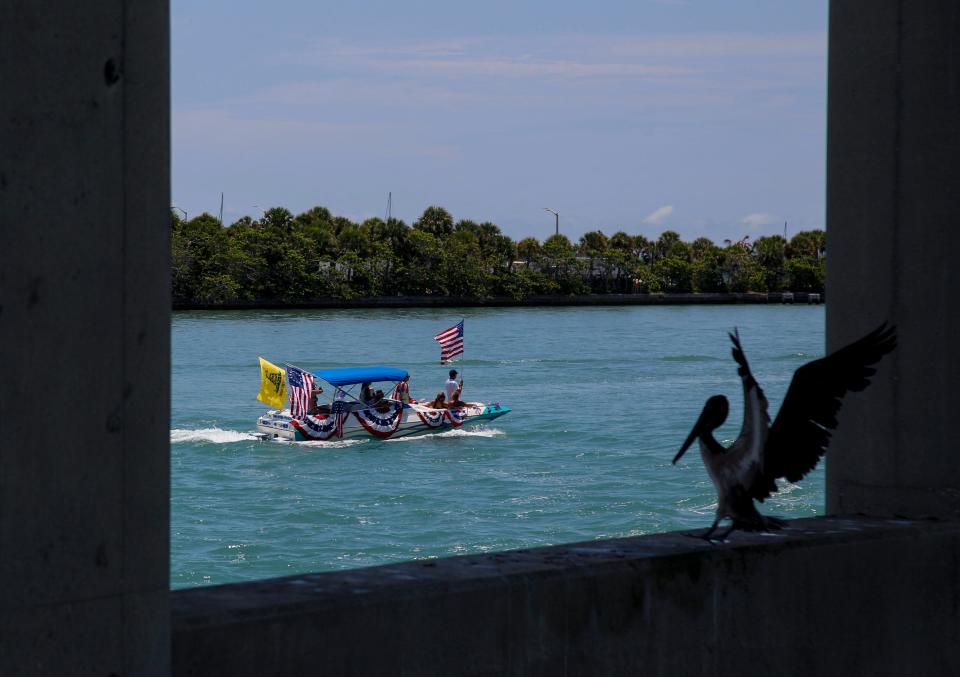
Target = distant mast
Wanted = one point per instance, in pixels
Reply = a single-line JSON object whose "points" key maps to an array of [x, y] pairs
{"points": [[389, 205], [785, 241], [221, 209]]}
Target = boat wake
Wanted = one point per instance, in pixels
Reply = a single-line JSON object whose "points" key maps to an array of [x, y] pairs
{"points": [[322, 444], [221, 436], [210, 435], [456, 432]]}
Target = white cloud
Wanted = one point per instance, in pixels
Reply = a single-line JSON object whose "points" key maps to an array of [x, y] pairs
{"points": [[688, 71], [756, 220], [344, 91], [519, 68], [657, 216], [694, 46], [583, 54], [483, 57], [218, 129]]}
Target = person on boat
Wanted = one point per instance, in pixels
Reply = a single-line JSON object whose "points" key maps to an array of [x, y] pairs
{"points": [[380, 404], [452, 384], [313, 407], [438, 402], [455, 401], [401, 391], [366, 395]]}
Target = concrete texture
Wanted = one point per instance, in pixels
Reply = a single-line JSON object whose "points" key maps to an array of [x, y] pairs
{"points": [[892, 207], [814, 599], [84, 329]]}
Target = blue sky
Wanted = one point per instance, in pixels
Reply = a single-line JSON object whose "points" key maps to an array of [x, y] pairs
{"points": [[707, 117]]}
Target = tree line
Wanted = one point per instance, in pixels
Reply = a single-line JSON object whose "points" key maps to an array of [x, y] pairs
{"points": [[316, 255]]}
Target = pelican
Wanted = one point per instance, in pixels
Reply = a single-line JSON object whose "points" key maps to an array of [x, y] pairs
{"points": [[790, 448]]}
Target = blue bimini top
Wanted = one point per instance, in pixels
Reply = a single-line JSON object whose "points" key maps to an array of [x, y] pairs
{"points": [[352, 375]]}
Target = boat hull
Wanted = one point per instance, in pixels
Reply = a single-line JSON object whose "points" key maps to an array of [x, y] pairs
{"points": [[391, 422]]}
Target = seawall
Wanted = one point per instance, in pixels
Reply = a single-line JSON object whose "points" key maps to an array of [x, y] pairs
{"points": [[508, 302], [828, 595]]}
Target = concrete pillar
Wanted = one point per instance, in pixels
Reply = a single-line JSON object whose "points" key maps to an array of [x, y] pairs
{"points": [[84, 337], [893, 229]]}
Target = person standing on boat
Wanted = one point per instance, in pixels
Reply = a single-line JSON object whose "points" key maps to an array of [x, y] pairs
{"points": [[402, 391], [452, 385], [313, 408]]}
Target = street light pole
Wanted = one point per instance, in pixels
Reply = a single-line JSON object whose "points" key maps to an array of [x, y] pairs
{"points": [[556, 219]]}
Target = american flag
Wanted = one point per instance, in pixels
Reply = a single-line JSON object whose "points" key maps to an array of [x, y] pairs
{"points": [[300, 383], [451, 342], [340, 410]]}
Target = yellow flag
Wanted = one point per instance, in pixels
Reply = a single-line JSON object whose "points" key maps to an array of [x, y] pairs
{"points": [[273, 385]]}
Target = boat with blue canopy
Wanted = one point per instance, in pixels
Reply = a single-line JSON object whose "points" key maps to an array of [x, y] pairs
{"points": [[343, 411]]}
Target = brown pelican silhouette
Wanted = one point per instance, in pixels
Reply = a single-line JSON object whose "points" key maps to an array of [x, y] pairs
{"points": [[792, 446]]}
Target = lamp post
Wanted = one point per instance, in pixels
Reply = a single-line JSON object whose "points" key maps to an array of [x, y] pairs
{"points": [[556, 219]]}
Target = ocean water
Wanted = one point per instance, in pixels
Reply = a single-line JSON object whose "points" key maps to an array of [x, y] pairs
{"points": [[602, 398]]}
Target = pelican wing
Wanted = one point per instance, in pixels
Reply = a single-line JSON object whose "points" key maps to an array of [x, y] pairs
{"points": [[749, 445], [754, 401], [801, 432]]}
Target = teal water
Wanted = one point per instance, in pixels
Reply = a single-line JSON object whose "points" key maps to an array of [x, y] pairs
{"points": [[602, 398]]}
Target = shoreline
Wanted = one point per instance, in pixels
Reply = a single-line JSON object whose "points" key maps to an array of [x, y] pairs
{"points": [[659, 299]]}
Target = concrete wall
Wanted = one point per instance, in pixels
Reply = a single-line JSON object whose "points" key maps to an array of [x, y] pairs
{"points": [[84, 335], [893, 233], [827, 597]]}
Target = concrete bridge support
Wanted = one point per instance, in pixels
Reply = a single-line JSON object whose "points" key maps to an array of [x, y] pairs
{"points": [[84, 337], [893, 237]]}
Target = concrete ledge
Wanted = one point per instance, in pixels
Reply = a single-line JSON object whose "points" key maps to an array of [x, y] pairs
{"points": [[798, 602], [507, 302]]}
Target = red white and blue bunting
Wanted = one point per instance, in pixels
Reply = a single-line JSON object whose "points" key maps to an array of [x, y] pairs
{"points": [[316, 427], [433, 418], [381, 424], [457, 416]]}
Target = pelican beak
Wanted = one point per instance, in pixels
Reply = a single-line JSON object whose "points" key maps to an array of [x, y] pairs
{"points": [[694, 434], [698, 428]]}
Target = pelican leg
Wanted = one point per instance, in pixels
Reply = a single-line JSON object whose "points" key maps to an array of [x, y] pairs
{"points": [[709, 532], [727, 531]]}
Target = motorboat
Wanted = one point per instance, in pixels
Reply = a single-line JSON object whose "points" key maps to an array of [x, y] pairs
{"points": [[347, 416]]}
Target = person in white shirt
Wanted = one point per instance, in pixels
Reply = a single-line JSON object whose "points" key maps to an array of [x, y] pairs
{"points": [[452, 385]]}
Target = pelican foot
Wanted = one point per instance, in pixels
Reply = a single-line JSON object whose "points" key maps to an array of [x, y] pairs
{"points": [[711, 536], [773, 523], [760, 523]]}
